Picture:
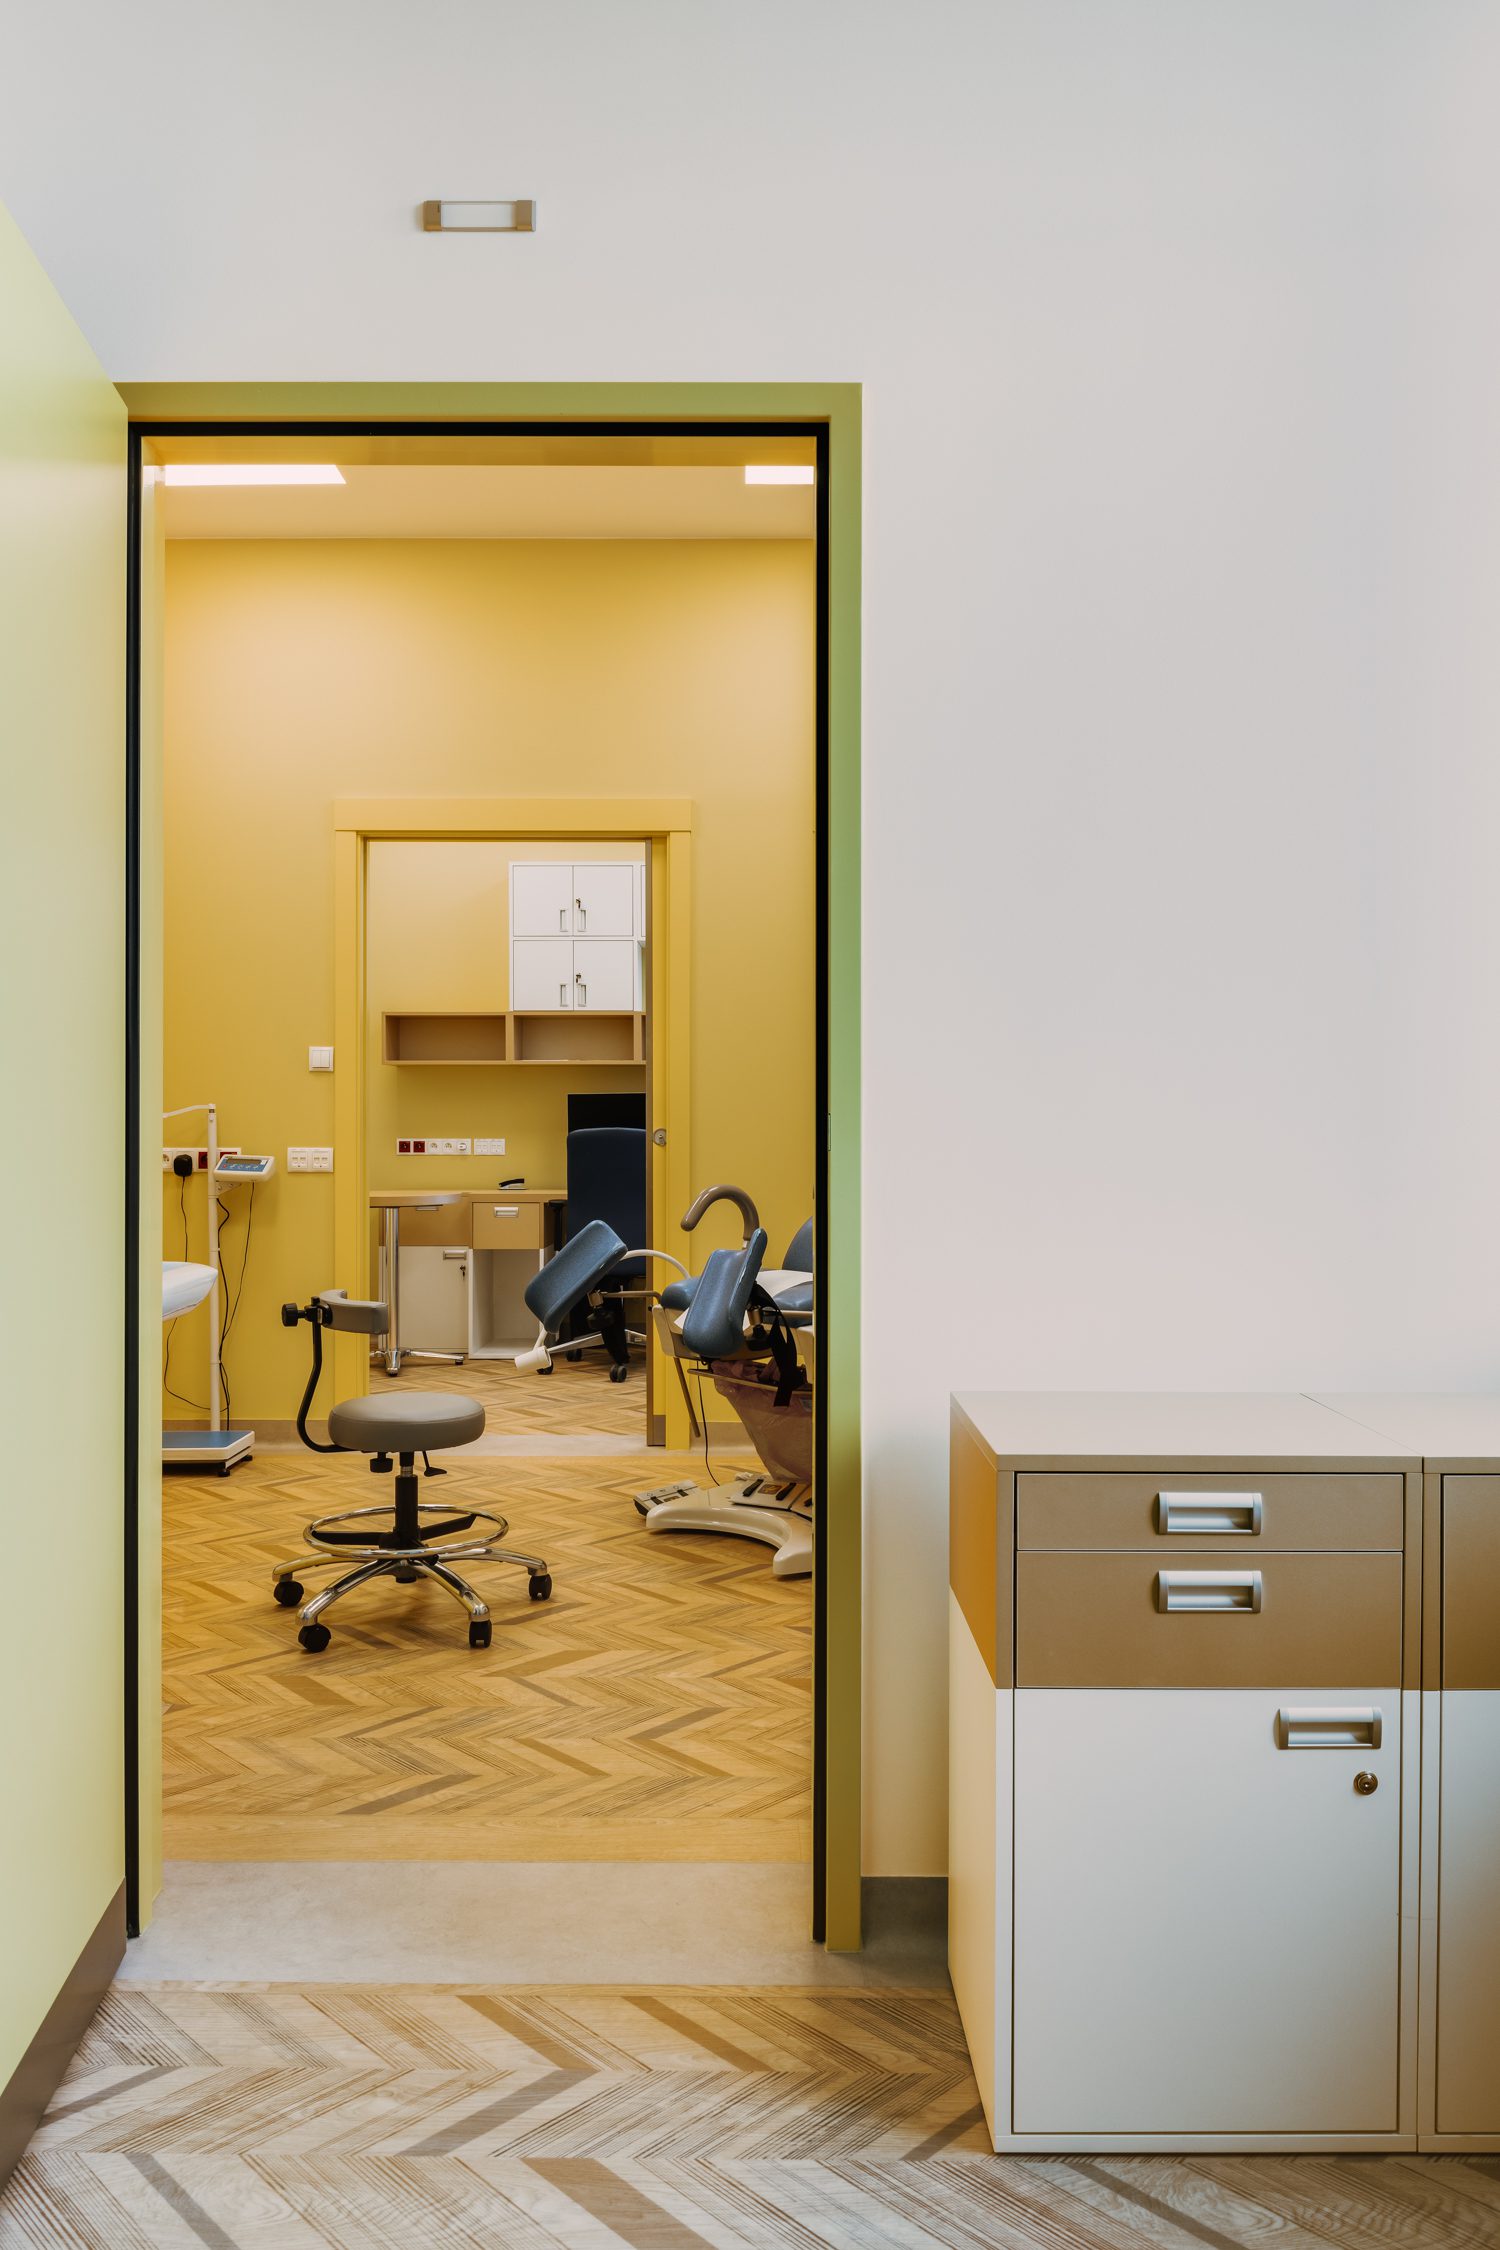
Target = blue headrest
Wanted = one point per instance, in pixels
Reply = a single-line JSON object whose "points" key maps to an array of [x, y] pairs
{"points": [[799, 1251], [714, 1326], [579, 1266]]}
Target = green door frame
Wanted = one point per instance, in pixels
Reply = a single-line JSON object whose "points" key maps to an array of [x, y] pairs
{"points": [[830, 412]]}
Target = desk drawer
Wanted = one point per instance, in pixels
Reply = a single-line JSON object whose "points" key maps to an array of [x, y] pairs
{"points": [[507, 1226], [1199, 1618], [1157, 1508]]}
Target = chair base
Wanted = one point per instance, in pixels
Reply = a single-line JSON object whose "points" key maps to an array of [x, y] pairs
{"points": [[332, 1541], [750, 1508]]}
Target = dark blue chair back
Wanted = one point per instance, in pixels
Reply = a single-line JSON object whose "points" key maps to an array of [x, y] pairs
{"points": [[607, 1180], [566, 1279]]}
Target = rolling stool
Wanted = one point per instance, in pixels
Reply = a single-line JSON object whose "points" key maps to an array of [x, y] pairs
{"points": [[401, 1543]]}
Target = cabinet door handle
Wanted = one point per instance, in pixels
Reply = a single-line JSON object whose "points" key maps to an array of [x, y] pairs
{"points": [[562, 920], [562, 995], [1209, 1590], [583, 915], [1328, 1727], [506, 1210], [583, 992], [1209, 1515]]}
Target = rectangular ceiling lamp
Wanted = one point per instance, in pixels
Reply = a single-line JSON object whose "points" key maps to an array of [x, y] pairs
{"points": [[778, 473], [251, 472], [512, 217]]}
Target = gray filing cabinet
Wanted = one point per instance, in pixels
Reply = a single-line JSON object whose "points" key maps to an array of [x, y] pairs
{"points": [[1183, 1710]]}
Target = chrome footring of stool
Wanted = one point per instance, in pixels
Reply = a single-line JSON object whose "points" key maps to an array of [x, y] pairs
{"points": [[362, 1563]]}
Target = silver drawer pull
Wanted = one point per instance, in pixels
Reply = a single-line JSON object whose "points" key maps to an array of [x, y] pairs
{"points": [[506, 1210], [1207, 1515], [1208, 1590], [1327, 1727]]}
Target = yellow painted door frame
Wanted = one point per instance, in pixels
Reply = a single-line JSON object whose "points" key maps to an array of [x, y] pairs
{"points": [[665, 825]]}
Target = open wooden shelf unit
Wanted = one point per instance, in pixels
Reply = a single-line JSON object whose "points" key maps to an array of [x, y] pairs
{"points": [[562, 1035]]}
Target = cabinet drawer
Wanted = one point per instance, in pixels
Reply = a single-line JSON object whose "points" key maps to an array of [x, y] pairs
{"points": [[1197, 1618], [1182, 1507], [507, 1226]]}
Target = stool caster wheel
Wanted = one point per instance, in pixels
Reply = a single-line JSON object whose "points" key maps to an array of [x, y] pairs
{"points": [[618, 1374], [314, 1637], [479, 1632], [287, 1592], [547, 1370], [539, 1585]]}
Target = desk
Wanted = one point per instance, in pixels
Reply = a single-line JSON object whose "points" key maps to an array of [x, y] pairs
{"points": [[390, 1203], [508, 1233]]}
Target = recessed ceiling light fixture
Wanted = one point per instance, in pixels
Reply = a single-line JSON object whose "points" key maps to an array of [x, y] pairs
{"points": [[778, 473], [252, 472], [517, 215]]}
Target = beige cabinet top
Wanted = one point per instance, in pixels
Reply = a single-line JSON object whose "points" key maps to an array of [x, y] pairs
{"points": [[1450, 1429], [1180, 1429]]}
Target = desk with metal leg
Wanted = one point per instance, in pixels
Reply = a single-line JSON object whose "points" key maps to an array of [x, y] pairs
{"points": [[390, 1203]]}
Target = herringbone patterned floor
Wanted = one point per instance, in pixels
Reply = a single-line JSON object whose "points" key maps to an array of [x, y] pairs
{"points": [[412, 2118], [576, 1397], [657, 1707]]}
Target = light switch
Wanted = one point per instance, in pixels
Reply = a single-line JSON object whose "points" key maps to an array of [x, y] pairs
{"points": [[489, 1148], [320, 1058]]}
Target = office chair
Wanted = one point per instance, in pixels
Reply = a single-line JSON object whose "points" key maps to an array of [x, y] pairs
{"points": [[397, 1541], [607, 1184]]}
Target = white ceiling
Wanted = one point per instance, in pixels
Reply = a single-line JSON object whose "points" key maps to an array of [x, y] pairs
{"points": [[498, 503]]}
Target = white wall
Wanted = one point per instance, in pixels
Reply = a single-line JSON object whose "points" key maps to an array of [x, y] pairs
{"points": [[1178, 326]]}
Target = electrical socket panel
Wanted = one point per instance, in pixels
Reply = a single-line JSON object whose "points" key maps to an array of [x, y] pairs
{"points": [[489, 1148], [198, 1155], [309, 1159], [430, 1147]]}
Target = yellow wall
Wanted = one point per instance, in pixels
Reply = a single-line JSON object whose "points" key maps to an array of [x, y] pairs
{"points": [[302, 672], [437, 935], [62, 889]]}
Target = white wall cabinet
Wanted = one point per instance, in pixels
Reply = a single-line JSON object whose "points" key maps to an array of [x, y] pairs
{"points": [[578, 973], [577, 928]]}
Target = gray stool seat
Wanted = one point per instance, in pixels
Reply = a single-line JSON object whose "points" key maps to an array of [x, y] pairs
{"points": [[416, 1422]]}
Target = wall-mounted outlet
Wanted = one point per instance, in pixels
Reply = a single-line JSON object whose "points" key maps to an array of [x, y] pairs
{"points": [[198, 1155], [309, 1159], [489, 1148], [320, 1058], [449, 1148]]}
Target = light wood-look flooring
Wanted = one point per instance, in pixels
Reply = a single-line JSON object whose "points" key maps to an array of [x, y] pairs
{"points": [[449, 2118], [658, 1707], [576, 1399]]}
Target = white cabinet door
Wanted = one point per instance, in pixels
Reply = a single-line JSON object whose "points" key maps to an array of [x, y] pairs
{"points": [[1206, 1926], [541, 973], [604, 899], [605, 973], [434, 1298], [541, 898]]}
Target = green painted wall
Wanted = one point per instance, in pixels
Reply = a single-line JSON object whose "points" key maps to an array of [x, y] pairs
{"points": [[62, 1130]]}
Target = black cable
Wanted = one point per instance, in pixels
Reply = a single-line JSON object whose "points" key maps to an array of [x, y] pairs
{"points": [[166, 1365], [232, 1309], [711, 1472]]}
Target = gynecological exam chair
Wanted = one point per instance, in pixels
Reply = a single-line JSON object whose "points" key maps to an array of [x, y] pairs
{"points": [[749, 1329], [736, 1325], [399, 1540]]}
